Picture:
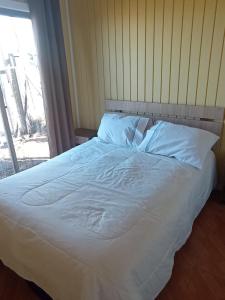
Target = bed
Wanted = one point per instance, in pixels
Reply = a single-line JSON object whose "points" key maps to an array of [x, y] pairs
{"points": [[101, 222]]}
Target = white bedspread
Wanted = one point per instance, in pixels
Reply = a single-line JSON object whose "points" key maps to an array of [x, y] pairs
{"points": [[100, 222]]}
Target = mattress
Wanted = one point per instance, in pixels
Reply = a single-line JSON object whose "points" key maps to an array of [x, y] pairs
{"points": [[100, 222]]}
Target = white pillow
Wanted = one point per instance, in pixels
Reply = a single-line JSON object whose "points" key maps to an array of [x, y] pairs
{"points": [[122, 130], [186, 144]]}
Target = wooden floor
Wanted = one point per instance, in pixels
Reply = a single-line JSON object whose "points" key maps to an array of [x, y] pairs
{"points": [[199, 270]]}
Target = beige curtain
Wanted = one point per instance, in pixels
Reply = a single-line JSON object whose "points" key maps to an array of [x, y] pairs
{"points": [[46, 19]]}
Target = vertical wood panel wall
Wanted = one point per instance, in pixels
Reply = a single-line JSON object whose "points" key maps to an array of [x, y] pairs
{"points": [[169, 51]]}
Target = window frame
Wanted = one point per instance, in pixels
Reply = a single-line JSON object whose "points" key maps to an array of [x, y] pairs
{"points": [[13, 8]]}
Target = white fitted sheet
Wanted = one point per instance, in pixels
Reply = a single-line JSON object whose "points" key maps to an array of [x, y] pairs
{"points": [[100, 222]]}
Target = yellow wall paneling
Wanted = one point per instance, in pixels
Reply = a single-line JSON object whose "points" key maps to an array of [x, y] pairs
{"points": [[169, 51]]}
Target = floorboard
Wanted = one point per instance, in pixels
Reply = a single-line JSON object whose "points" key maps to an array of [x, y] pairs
{"points": [[199, 270]]}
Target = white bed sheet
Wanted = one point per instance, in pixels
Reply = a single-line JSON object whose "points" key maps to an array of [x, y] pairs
{"points": [[100, 222]]}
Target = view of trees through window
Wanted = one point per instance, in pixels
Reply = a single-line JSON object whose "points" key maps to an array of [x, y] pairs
{"points": [[21, 88]]}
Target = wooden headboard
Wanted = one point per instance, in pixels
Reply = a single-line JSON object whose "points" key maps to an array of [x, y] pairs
{"points": [[204, 117]]}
